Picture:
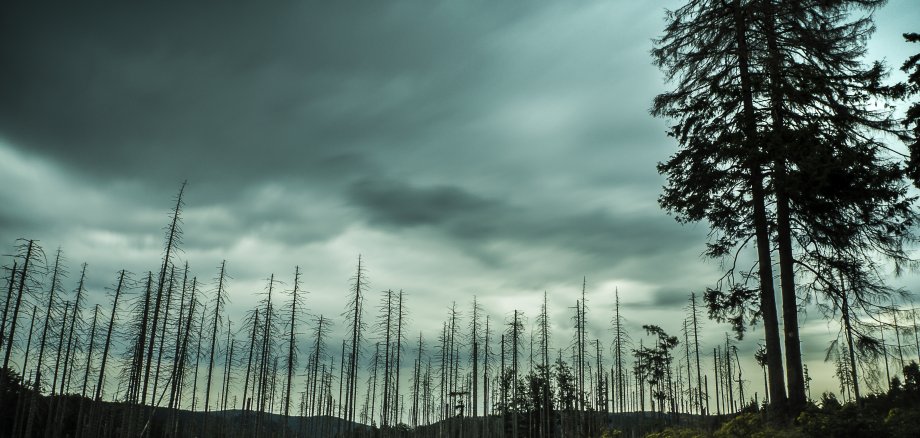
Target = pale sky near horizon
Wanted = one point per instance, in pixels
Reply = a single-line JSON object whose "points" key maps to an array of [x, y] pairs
{"points": [[463, 148]]}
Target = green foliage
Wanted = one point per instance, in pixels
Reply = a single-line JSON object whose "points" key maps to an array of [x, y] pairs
{"points": [[754, 426], [896, 414], [565, 386], [739, 307], [902, 422], [912, 377], [836, 421], [679, 432], [911, 120]]}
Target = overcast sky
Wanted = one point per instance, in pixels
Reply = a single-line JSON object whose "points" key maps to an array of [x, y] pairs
{"points": [[463, 148]]}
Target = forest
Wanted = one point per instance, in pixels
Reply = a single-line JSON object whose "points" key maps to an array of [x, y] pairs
{"points": [[801, 158]]}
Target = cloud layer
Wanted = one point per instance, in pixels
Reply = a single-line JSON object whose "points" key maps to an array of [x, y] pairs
{"points": [[496, 149]]}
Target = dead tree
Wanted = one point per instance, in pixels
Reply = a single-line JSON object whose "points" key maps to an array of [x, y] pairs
{"points": [[31, 255], [354, 315], [162, 328], [6, 307], [56, 275], [319, 347], [620, 349], [384, 324], [397, 353], [173, 239], [296, 304], [220, 301], [108, 336], [75, 323], [254, 321], [183, 323]]}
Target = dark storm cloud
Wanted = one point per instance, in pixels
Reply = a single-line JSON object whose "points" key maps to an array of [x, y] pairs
{"points": [[471, 219], [671, 298], [202, 89], [462, 147]]}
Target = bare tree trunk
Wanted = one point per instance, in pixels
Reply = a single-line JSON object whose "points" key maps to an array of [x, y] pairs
{"points": [[136, 382], [716, 380], [81, 422], [55, 281], [162, 327], [219, 301], [897, 335], [71, 346], [252, 343], [385, 407], [398, 353], [197, 360], [881, 329], [173, 236], [696, 349], [228, 363], [848, 330], [317, 357], [183, 323], [485, 377], [23, 277], [108, 337], [6, 307], [55, 278], [359, 283], [292, 345]]}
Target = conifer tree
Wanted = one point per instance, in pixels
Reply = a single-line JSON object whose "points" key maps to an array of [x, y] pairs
{"points": [[718, 174], [911, 121]]}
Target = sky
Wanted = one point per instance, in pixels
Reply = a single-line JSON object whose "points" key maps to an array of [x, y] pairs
{"points": [[475, 148]]}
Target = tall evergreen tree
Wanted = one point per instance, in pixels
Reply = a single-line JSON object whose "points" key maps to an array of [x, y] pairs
{"points": [[777, 89], [718, 173], [833, 179], [911, 121]]}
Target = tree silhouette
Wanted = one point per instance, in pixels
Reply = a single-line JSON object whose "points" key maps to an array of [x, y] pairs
{"points": [[296, 305], [655, 363], [354, 315], [911, 66], [718, 174]]}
